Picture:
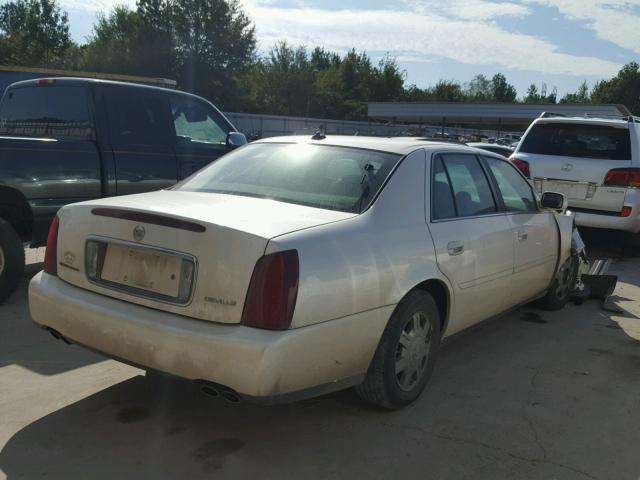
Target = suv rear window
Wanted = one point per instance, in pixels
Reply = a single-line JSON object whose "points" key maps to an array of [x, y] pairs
{"points": [[45, 112], [578, 140]]}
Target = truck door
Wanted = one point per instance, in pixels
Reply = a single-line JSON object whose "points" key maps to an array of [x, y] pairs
{"points": [[200, 133], [141, 134]]}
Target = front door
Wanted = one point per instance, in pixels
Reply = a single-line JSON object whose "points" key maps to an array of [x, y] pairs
{"points": [[472, 238], [535, 232]]}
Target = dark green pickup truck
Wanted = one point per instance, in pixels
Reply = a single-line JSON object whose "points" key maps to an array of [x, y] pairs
{"points": [[65, 140]]}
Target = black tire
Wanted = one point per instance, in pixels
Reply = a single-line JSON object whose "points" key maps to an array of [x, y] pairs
{"points": [[384, 387], [11, 260], [560, 291]]}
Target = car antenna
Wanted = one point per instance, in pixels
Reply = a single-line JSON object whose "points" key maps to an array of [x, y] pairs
{"points": [[319, 135]]}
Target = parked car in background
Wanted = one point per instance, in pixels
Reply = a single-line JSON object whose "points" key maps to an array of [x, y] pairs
{"points": [[493, 147], [295, 266], [65, 140], [594, 162]]}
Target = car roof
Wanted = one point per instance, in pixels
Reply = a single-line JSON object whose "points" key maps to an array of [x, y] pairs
{"points": [[80, 81], [584, 120], [398, 145]]}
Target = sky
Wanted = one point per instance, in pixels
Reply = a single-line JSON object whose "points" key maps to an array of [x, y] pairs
{"points": [[557, 42]]}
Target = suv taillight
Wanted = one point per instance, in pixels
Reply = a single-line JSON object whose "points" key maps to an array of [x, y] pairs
{"points": [[51, 253], [623, 177], [521, 165], [273, 291]]}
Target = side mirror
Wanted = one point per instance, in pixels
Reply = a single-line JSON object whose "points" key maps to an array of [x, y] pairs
{"points": [[553, 201], [236, 139]]}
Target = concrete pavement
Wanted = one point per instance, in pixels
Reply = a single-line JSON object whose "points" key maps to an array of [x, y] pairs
{"points": [[532, 395]]}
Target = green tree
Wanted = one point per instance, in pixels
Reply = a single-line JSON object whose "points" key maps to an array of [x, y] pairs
{"points": [[479, 89], [501, 90], [579, 96], [33, 33], [532, 95], [624, 88]]}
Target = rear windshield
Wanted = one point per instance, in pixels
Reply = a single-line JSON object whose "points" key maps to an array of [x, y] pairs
{"points": [[578, 140], [333, 178], [45, 112]]}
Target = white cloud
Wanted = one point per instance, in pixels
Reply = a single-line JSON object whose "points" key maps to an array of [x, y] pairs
{"points": [[95, 6], [421, 34], [616, 21], [469, 9]]}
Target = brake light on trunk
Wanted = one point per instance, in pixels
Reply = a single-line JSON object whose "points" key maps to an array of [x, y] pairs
{"points": [[51, 253], [626, 212], [623, 177], [273, 290], [521, 165]]}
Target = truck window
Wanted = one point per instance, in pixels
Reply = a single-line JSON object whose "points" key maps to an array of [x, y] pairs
{"points": [[137, 117], [578, 140], [47, 111], [196, 123]]}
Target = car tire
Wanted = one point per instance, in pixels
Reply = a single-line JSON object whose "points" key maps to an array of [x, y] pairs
{"points": [[561, 289], [404, 359], [11, 260]]}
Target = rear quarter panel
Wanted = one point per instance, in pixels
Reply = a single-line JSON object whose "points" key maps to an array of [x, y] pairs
{"points": [[369, 261]]}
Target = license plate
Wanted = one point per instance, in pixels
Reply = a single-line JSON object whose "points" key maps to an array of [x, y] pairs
{"points": [[571, 190], [147, 270]]}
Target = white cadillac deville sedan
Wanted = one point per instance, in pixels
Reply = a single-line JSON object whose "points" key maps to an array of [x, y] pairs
{"points": [[293, 267]]}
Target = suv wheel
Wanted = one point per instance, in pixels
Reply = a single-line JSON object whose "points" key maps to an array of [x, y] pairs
{"points": [[403, 362], [560, 291], [11, 260]]}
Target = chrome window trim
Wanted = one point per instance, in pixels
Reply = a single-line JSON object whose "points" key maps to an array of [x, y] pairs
{"points": [[136, 292]]}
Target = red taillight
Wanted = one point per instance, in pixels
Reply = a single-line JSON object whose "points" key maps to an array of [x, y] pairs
{"points": [[51, 253], [272, 293], [626, 212], [521, 165], [45, 81], [623, 177]]}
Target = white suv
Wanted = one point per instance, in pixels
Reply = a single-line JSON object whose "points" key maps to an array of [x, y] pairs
{"points": [[594, 162]]}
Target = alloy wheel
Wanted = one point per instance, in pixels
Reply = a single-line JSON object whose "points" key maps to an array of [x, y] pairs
{"points": [[412, 351]]}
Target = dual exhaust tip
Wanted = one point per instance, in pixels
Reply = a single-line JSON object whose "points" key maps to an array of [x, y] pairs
{"points": [[215, 390], [208, 388]]}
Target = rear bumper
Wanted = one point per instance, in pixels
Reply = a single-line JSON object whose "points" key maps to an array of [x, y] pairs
{"points": [[264, 365], [610, 221]]}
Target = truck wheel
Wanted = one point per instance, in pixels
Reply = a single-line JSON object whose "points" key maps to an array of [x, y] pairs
{"points": [[11, 260], [403, 362], [560, 291]]}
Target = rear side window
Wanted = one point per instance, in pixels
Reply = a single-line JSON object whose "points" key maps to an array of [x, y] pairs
{"points": [[469, 185], [441, 193], [578, 140], [50, 111], [138, 118]]}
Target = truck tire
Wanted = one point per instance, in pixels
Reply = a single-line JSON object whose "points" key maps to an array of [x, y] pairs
{"points": [[11, 260], [560, 291], [403, 362]]}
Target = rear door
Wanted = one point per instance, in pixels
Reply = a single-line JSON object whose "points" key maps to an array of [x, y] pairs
{"points": [[200, 133], [535, 233], [473, 240], [141, 135], [574, 158]]}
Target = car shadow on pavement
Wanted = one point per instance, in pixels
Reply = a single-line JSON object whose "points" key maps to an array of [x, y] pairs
{"points": [[25, 344], [510, 399]]}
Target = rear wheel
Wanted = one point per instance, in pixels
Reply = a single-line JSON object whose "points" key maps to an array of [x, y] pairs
{"points": [[404, 359], [560, 291], [11, 260]]}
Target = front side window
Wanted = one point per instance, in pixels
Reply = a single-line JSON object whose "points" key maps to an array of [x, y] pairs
{"points": [[46, 111], [516, 192], [333, 178], [469, 184], [197, 124], [578, 140]]}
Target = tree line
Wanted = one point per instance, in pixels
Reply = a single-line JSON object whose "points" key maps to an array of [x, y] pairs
{"points": [[209, 47]]}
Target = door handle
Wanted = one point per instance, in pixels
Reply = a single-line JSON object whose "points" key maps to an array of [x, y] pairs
{"points": [[455, 248], [523, 235]]}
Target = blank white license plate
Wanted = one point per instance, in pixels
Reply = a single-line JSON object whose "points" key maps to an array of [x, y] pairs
{"points": [[571, 190], [147, 270]]}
